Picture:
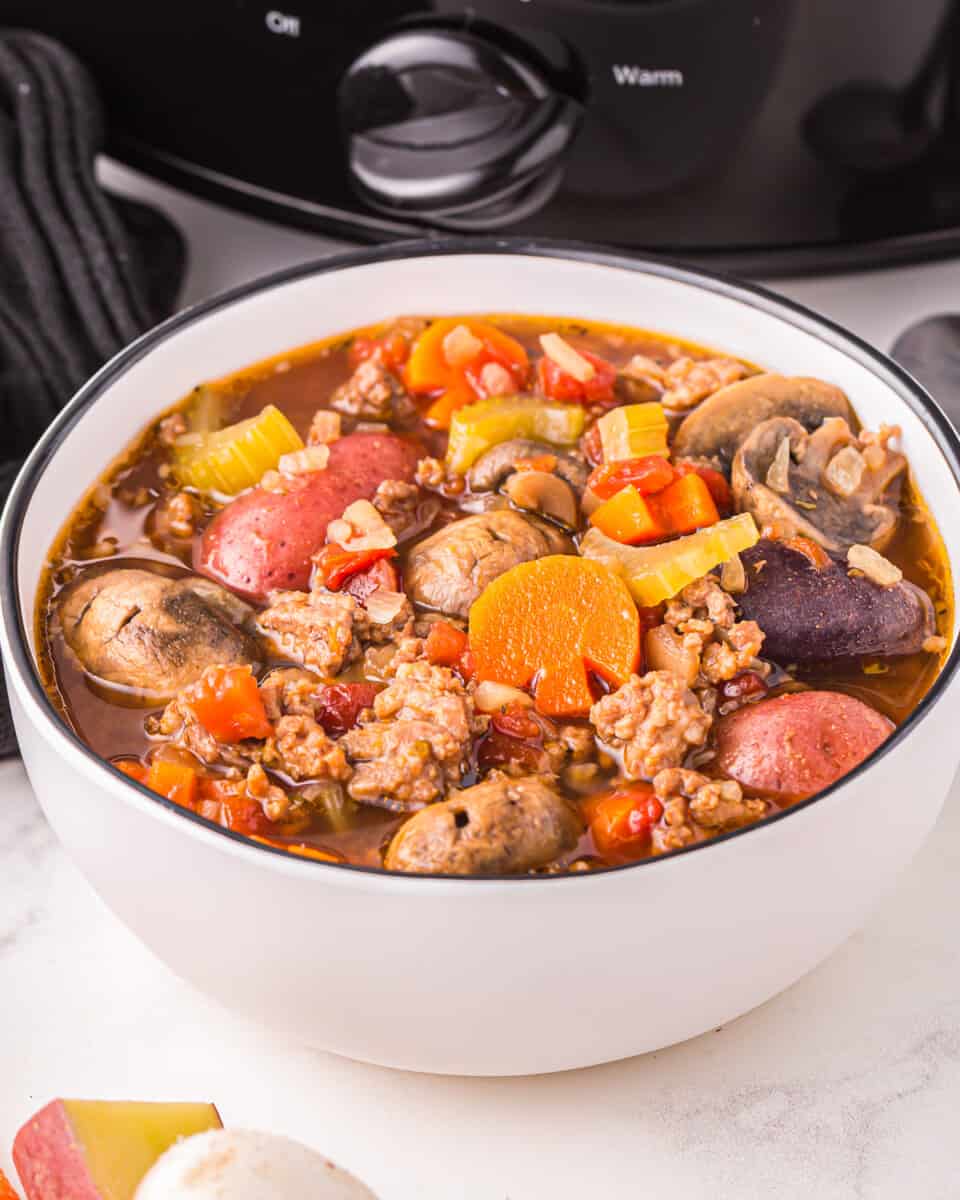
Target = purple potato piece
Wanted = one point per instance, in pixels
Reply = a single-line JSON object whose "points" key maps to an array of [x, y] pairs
{"points": [[812, 614]]}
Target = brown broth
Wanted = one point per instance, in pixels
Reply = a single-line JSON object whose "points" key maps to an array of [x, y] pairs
{"points": [[121, 508]]}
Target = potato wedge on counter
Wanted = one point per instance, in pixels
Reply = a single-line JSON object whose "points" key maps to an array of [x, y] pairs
{"points": [[100, 1149]]}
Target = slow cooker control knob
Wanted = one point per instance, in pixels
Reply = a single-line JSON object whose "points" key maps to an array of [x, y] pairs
{"points": [[447, 125]]}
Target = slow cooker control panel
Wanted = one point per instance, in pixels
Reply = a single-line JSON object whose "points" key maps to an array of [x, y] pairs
{"points": [[450, 124]]}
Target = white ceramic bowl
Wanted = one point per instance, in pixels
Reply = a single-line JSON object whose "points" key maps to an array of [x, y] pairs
{"points": [[502, 976]]}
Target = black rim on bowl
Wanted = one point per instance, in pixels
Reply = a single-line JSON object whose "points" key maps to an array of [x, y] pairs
{"points": [[20, 630]]}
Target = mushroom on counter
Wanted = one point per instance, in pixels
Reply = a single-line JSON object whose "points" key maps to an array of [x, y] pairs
{"points": [[715, 429], [820, 484], [244, 1165]]}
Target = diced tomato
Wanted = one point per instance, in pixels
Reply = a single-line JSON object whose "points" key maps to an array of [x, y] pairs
{"points": [[175, 780], [516, 721], [227, 703], [715, 480], [340, 704], [558, 385], [498, 748], [649, 474], [226, 801], [621, 822], [466, 667], [393, 350], [383, 575], [746, 685], [335, 566]]}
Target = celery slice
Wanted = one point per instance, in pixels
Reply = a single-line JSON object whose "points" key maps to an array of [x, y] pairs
{"points": [[655, 573], [633, 431], [229, 460], [477, 427]]}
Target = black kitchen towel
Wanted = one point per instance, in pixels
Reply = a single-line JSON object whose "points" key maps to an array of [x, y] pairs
{"points": [[81, 273]]}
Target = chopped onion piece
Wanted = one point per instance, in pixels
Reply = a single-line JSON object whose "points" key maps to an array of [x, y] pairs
{"points": [[382, 605], [303, 462], [877, 569], [566, 358], [324, 428], [778, 473], [460, 346], [843, 474], [733, 578], [496, 380], [361, 527], [493, 697]]}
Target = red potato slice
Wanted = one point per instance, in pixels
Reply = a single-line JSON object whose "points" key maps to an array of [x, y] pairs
{"points": [[796, 745], [100, 1149], [264, 540]]}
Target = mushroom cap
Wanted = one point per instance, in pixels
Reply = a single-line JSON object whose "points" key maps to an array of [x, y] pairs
{"points": [[867, 516], [245, 1165], [716, 427], [495, 464]]}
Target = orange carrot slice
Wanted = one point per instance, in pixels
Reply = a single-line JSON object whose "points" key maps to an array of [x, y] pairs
{"points": [[547, 624]]}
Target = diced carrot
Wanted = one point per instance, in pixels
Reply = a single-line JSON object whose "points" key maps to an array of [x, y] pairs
{"points": [[537, 462], [593, 628], [302, 849], [621, 822], [429, 369], [682, 507], [136, 770], [227, 703], [716, 481], [175, 780], [686, 505], [445, 644], [6, 1188], [629, 517]]}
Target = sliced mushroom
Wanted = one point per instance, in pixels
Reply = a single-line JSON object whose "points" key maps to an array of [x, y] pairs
{"points": [[491, 469], [716, 428], [788, 479], [544, 494]]}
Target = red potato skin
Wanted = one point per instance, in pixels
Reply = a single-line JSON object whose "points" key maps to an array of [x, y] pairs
{"points": [[49, 1161], [796, 745], [263, 540]]}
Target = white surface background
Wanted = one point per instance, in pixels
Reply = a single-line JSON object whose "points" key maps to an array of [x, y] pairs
{"points": [[847, 1085]]}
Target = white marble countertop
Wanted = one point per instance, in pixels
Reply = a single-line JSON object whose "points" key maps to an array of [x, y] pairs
{"points": [[847, 1085]]}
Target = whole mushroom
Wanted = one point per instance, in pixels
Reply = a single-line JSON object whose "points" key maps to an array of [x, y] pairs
{"points": [[715, 429], [244, 1165]]}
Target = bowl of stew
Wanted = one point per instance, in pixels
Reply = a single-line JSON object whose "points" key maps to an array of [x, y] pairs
{"points": [[489, 657]]}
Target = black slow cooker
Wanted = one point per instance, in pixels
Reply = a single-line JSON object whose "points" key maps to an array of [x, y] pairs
{"points": [[766, 135]]}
